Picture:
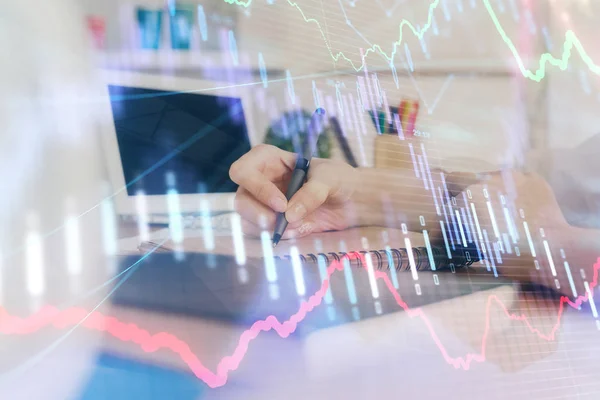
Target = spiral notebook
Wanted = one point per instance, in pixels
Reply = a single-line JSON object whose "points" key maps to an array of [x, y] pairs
{"points": [[214, 285], [399, 259], [378, 244]]}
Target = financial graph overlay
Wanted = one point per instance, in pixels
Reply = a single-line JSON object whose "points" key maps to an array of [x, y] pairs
{"points": [[502, 241], [496, 224], [127, 332]]}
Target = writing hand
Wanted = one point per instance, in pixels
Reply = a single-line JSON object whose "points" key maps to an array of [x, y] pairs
{"points": [[321, 204]]}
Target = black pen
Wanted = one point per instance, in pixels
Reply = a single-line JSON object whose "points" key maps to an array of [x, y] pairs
{"points": [[300, 170]]}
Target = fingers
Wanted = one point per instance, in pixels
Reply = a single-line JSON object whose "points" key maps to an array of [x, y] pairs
{"points": [[252, 210], [261, 175], [256, 217], [310, 196], [259, 186], [251, 229], [249, 173], [302, 228]]}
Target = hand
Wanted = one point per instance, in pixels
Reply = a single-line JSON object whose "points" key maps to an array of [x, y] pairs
{"points": [[534, 203], [322, 204], [531, 194]]}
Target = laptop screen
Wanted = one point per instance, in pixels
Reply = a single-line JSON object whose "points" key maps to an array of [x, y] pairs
{"points": [[174, 140]]}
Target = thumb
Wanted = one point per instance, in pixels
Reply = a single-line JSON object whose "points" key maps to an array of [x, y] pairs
{"points": [[310, 197]]}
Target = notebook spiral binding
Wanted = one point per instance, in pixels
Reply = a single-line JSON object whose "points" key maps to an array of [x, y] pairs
{"points": [[399, 258]]}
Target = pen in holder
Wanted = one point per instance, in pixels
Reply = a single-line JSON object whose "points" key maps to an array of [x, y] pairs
{"points": [[398, 121], [396, 134]]}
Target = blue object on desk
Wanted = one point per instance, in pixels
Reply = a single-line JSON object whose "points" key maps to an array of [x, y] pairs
{"points": [[117, 378]]}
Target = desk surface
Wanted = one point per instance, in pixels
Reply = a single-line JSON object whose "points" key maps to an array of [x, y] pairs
{"points": [[468, 346], [494, 344], [498, 344]]}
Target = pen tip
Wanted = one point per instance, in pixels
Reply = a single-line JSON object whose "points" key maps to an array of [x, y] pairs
{"points": [[276, 239]]}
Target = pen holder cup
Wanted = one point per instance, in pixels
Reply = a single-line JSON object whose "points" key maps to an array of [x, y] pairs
{"points": [[391, 152]]}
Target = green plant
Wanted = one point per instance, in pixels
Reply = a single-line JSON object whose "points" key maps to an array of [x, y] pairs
{"points": [[291, 130]]}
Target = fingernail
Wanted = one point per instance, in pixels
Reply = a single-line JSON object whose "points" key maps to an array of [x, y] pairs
{"points": [[296, 213], [278, 204]]}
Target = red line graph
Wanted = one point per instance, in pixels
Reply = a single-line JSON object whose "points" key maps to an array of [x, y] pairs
{"points": [[127, 332]]}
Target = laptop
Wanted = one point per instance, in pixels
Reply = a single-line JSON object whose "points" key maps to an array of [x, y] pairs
{"points": [[171, 144]]}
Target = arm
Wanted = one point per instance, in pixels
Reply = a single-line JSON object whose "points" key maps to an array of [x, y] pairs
{"points": [[391, 197], [532, 207]]}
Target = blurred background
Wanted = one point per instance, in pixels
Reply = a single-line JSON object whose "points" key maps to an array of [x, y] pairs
{"points": [[462, 54]]}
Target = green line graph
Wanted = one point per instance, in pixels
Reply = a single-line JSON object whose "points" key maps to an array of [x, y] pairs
{"points": [[571, 41]]}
